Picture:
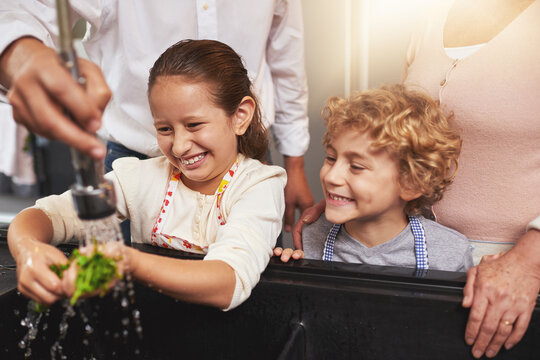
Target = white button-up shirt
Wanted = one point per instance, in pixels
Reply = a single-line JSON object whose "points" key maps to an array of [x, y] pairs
{"points": [[125, 38]]}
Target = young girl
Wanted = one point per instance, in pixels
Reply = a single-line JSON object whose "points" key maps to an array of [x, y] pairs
{"points": [[208, 194], [390, 155]]}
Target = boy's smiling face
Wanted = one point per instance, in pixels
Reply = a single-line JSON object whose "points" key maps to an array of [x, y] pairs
{"points": [[360, 184]]}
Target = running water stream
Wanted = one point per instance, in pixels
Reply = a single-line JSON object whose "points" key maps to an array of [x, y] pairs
{"points": [[97, 232]]}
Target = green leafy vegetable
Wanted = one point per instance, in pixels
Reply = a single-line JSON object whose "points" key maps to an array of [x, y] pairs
{"points": [[94, 272], [39, 307]]}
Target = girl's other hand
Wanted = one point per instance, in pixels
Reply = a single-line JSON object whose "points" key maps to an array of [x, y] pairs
{"points": [[113, 250], [286, 254]]}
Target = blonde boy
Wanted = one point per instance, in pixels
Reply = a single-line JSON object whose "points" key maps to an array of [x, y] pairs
{"points": [[390, 155]]}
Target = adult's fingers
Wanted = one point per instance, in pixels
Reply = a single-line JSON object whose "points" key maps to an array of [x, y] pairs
{"points": [[43, 116], [96, 86], [476, 316], [297, 233], [491, 332], [520, 327], [43, 91], [468, 290], [288, 217], [308, 216], [505, 328]]}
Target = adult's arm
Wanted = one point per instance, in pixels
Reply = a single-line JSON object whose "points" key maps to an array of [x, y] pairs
{"points": [[39, 87], [502, 294], [285, 58]]}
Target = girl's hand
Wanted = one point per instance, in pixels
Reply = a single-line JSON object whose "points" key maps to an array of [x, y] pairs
{"points": [[35, 279], [286, 254], [112, 250]]}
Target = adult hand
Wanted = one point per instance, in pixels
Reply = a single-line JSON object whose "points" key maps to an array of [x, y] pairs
{"points": [[309, 216], [35, 279], [297, 193], [501, 292], [41, 89]]}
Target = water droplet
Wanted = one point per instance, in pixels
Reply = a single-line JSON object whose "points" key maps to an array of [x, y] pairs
{"points": [[136, 314], [125, 321], [22, 344], [85, 342], [124, 302], [88, 329]]}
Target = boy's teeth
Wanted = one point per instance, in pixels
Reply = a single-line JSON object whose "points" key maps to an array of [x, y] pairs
{"points": [[192, 160], [338, 198]]}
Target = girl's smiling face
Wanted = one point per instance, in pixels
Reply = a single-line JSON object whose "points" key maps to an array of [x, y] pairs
{"points": [[195, 135]]}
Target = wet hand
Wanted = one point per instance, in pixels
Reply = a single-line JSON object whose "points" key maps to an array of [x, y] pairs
{"points": [[104, 267], [35, 279]]}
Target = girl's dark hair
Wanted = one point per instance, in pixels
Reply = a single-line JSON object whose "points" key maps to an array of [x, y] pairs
{"points": [[221, 67]]}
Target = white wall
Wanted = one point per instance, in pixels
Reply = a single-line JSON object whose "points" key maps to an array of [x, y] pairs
{"points": [[350, 45]]}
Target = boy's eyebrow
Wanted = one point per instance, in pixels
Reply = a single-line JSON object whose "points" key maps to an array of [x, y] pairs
{"points": [[356, 154]]}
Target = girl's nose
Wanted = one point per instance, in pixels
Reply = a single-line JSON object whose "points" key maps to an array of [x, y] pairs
{"points": [[182, 143]]}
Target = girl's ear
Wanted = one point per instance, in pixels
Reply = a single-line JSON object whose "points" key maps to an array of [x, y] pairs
{"points": [[243, 115]]}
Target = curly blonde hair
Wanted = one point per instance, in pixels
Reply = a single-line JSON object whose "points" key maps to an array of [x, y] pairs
{"points": [[412, 128]]}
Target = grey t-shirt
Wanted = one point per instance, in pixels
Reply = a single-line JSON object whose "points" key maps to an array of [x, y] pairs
{"points": [[447, 249]]}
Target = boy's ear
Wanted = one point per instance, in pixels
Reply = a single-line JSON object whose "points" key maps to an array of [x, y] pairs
{"points": [[243, 115], [409, 194]]}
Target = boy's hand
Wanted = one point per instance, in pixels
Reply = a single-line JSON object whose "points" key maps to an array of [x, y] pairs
{"points": [[286, 254]]}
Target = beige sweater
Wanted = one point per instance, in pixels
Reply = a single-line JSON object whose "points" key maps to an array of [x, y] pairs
{"points": [[495, 96], [253, 207]]}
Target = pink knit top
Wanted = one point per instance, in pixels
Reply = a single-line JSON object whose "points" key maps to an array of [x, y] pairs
{"points": [[495, 96]]}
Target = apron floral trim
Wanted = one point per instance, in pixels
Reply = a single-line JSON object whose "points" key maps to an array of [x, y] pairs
{"points": [[160, 239]]}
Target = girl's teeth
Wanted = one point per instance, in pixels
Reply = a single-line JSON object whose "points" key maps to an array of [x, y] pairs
{"points": [[192, 160]]}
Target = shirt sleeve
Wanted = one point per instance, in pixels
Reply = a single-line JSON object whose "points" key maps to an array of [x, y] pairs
{"points": [[246, 241], [285, 58], [20, 18], [66, 224]]}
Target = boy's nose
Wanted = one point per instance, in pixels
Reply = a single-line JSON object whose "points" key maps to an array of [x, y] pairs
{"points": [[334, 174]]}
